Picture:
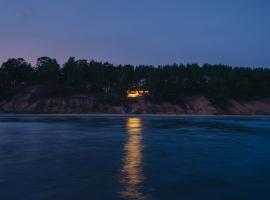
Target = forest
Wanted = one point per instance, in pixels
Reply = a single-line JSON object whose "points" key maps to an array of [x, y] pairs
{"points": [[110, 82]]}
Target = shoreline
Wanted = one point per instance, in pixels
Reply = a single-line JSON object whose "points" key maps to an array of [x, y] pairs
{"points": [[123, 115]]}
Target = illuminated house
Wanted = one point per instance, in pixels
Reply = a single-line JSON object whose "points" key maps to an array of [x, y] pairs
{"points": [[135, 93], [138, 90]]}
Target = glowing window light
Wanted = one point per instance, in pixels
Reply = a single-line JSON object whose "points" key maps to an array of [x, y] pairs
{"points": [[137, 93]]}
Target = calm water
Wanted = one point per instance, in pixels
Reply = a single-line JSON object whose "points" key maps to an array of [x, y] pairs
{"points": [[160, 158]]}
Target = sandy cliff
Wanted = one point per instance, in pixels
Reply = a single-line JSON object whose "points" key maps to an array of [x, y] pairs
{"points": [[28, 101]]}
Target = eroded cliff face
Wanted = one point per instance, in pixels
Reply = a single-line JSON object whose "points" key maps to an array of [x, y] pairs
{"points": [[30, 101], [258, 107], [192, 105]]}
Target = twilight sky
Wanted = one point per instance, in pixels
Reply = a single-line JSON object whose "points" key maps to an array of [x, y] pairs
{"points": [[235, 32]]}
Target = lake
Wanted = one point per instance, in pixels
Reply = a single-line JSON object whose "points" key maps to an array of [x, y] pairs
{"points": [[116, 157]]}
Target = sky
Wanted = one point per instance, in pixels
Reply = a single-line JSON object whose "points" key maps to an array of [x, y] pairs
{"points": [[232, 32]]}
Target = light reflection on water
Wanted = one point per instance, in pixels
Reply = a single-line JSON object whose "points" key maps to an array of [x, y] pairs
{"points": [[132, 176], [161, 158]]}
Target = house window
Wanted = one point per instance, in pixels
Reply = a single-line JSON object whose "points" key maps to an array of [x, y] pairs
{"points": [[137, 93]]}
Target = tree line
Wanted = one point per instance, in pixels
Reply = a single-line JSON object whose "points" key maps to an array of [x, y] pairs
{"points": [[165, 83]]}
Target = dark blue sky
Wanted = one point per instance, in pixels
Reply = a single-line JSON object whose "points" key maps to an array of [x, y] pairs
{"points": [[235, 32]]}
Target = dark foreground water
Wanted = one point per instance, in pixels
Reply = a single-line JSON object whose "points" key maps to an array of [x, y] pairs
{"points": [[160, 158]]}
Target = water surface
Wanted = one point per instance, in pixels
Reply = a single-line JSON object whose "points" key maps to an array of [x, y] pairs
{"points": [[112, 157]]}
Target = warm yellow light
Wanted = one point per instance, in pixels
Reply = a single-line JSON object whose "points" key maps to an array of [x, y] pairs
{"points": [[132, 176], [133, 94], [136, 93]]}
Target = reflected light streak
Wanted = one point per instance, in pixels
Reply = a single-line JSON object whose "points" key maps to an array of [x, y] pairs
{"points": [[132, 176]]}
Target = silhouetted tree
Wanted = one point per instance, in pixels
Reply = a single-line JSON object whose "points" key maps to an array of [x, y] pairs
{"points": [[16, 72], [49, 74], [109, 82]]}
